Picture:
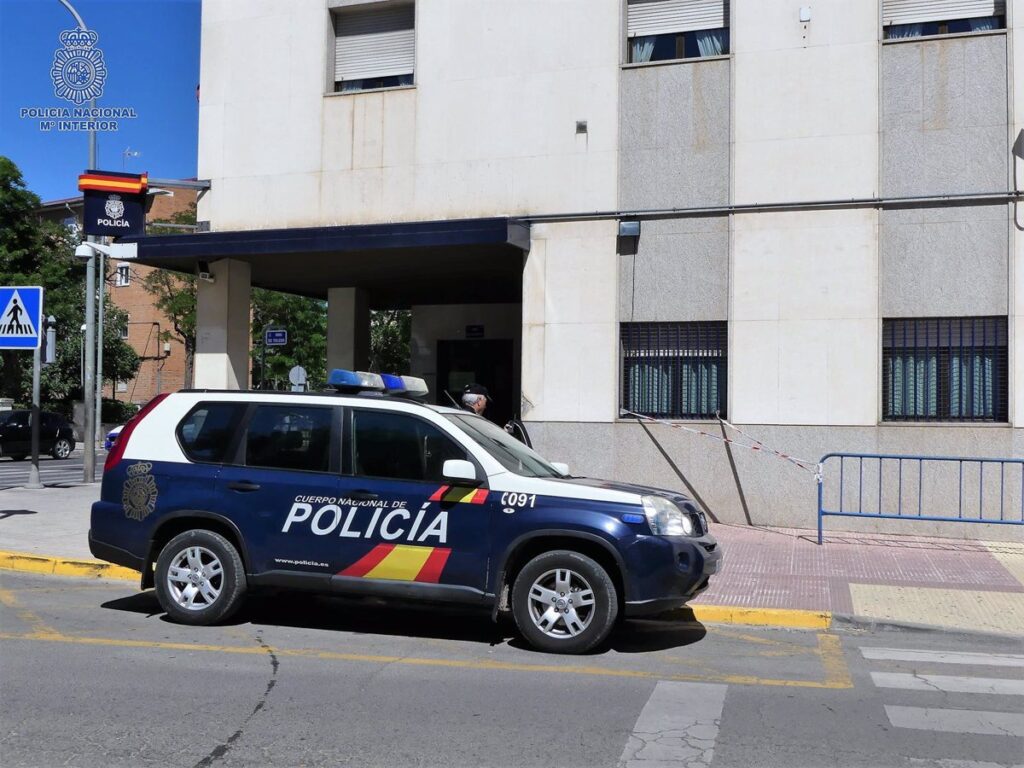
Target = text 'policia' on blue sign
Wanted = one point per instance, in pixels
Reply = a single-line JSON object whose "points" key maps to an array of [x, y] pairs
{"points": [[21, 317], [275, 337]]}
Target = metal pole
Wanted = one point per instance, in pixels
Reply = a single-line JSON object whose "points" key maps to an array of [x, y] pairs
{"points": [[89, 385], [33, 471], [102, 286]]}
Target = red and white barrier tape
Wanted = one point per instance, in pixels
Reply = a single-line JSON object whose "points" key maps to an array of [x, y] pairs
{"points": [[754, 445]]}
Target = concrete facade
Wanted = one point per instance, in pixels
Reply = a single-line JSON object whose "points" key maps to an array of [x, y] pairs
{"points": [[766, 182]]}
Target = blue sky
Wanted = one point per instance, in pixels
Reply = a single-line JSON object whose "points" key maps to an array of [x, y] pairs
{"points": [[151, 50]]}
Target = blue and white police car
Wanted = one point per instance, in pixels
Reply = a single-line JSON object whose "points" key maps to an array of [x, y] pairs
{"points": [[371, 492]]}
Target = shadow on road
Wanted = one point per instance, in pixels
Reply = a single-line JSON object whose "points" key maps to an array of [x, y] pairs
{"points": [[11, 512], [374, 617]]}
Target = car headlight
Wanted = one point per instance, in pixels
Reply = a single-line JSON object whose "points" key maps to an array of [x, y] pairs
{"points": [[665, 518]]}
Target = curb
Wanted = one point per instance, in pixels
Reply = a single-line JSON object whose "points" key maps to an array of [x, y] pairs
{"points": [[59, 566], [853, 621], [763, 617]]}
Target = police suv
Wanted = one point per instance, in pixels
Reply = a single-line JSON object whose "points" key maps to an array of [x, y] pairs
{"points": [[370, 492]]}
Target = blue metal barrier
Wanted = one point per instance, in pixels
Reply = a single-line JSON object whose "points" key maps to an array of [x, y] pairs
{"points": [[913, 478]]}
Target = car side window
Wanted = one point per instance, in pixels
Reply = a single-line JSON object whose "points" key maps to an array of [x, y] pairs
{"points": [[394, 445], [289, 437], [205, 433]]}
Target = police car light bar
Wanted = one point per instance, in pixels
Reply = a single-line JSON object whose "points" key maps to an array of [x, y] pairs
{"points": [[355, 381], [415, 387]]}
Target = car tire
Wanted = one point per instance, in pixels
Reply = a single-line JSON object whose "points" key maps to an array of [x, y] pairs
{"points": [[199, 578], [62, 448], [548, 602]]}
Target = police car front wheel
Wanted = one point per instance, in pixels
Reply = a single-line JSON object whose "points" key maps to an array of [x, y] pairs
{"points": [[199, 577], [564, 602]]}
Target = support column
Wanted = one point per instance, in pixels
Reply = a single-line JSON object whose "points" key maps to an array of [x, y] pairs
{"points": [[222, 327], [348, 329]]}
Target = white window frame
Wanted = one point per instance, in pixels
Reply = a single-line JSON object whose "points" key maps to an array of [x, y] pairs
{"points": [[122, 276], [650, 18], [349, 62]]}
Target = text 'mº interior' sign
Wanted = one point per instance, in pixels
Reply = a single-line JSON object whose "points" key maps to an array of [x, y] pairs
{"points": [[115, 203]]}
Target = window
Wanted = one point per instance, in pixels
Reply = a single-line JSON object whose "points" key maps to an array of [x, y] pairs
{"points": [[123, 276], [944, 369], [674, 370], [123, 330], [394, 445], [920, 18], [374, 46], [120, 386], [505, 449], [205, 433], [289, 437], [659, 30]]}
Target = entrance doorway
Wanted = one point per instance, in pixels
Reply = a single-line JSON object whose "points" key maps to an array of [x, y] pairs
{"points": [[484, 361]]}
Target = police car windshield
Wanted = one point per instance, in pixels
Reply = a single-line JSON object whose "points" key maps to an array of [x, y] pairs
{"points": [[508, 451]]}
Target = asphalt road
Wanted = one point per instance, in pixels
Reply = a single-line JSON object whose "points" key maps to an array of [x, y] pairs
{"points": [[92, 674], [52, 472]]}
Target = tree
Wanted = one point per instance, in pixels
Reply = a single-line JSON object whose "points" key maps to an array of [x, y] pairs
{"points": [[36, 252], [306, 322], [390, 332]]}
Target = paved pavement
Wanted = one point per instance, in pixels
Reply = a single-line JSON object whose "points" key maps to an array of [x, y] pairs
{"points": [[52, 472], [964, 585], [94, 675]]}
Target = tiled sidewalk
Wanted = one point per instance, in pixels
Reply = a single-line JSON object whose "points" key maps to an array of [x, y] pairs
{"points": [[966, 584]]}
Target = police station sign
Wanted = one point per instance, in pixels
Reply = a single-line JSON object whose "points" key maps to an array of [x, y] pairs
{"points": [[78, 73], [115, 203]]}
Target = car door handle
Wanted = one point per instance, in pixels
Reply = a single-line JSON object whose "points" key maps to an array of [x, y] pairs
{"points": [[363, 496], [244, 485]]}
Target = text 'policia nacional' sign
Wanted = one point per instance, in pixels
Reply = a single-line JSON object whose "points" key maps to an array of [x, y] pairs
{"points": [[115, 203]]}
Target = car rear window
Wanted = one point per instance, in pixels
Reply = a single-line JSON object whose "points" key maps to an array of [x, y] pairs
{"points": [[205, 433], [289, 437]]}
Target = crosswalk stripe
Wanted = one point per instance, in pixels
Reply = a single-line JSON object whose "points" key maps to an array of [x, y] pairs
{"points": [[948, 683], [956, 720], [944, 657], [677, 726]]}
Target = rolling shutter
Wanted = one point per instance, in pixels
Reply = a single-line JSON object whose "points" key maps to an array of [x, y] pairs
{"points": [[659, 17], [919, 11], [374, 43]]}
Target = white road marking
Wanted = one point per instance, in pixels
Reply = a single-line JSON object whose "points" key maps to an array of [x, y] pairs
{"points": [[944, 657], [956, 720], [677, 726], [949, 683], [929, 763]]}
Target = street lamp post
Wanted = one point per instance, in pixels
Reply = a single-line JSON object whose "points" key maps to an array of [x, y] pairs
{"points": [[88, 385]]}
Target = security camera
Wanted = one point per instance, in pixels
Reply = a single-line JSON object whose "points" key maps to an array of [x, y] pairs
{"points": [[83, 251], [203, 272]]}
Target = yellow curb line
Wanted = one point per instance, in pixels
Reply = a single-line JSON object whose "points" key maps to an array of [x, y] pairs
{"points": [[767, 617], [59, 566], [716, 614]]}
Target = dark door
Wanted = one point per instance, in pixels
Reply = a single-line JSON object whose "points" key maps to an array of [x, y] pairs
{"points": [[485, 361]]}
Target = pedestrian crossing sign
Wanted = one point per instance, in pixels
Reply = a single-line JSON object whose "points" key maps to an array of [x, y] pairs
{"points": [[21, 317]]}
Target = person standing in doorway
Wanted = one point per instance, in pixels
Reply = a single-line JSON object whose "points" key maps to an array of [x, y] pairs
{"points": [[475, 398]]}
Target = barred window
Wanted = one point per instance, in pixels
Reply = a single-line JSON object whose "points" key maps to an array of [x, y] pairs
{"points": [[945, 369], [674, 370]]}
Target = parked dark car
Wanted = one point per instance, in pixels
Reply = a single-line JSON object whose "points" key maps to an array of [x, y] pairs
{"points": [[55, 435]]}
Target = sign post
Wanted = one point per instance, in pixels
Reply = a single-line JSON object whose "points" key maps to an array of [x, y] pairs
{"points": [[21, 327]]}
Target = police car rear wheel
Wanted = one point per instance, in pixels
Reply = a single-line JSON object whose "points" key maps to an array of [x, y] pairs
{"points": [[564, 602], [199, 578]]}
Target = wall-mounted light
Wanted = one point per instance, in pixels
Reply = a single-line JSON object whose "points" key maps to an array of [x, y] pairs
{"points": [[629, 228], [805, 14], [581, 126]]}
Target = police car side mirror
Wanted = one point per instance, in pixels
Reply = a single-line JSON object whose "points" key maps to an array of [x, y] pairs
{"points": [[561, 467], [460, 470]]}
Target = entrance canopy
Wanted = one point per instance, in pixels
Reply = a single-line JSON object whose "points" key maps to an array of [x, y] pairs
{"points": [[432, 262]]}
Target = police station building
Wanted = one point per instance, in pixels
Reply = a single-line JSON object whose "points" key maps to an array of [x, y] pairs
{"points": [[801, 217]]}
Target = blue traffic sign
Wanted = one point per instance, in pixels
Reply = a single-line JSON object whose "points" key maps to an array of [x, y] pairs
{"points": [[275, 337], [21, 317]]}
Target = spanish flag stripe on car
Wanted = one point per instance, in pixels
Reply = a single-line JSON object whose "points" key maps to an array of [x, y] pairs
{"points": [[401, 562], [448, 494]]}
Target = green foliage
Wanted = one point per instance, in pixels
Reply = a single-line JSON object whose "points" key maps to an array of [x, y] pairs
{"points": [[390, 332], [306, 322], [117, 411], [35, 252]]}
